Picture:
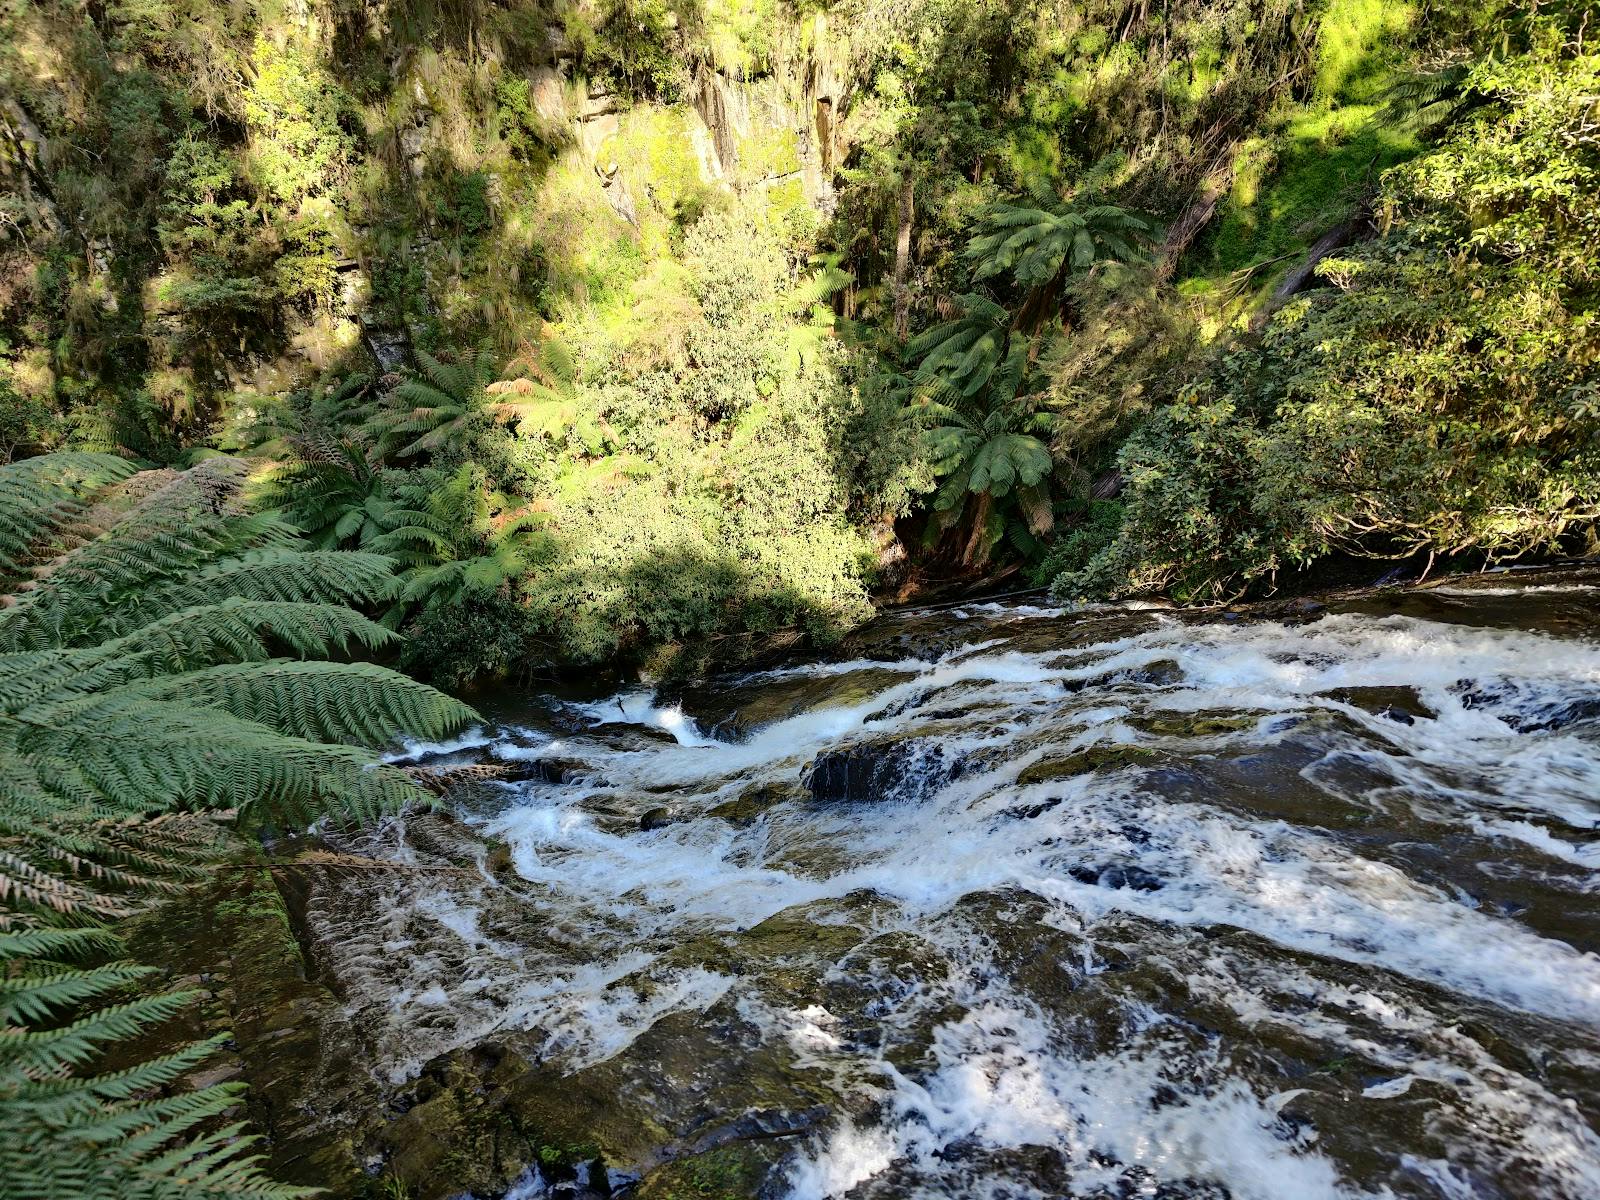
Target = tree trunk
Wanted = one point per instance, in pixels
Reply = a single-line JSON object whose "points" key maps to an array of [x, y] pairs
{"points": [[902, 260], [1182, 232], [980, 524], [1296, 280]]}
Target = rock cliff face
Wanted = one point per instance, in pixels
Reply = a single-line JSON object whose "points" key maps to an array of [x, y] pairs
{"points": [[784, 128]]}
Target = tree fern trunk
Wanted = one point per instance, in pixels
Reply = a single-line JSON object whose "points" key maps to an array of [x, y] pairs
{"points": [[972, 553], [902, 259]]}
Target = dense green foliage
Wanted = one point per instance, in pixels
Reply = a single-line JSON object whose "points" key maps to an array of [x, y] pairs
{"points": [[553, 331], [166, 659], [626, 324], [1436, 395]]}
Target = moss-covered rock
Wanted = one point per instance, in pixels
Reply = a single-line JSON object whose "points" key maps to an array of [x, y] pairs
{"points": [[748, 807], [1084, 762], [732, 1172], [1192, 725], [237, 941]]}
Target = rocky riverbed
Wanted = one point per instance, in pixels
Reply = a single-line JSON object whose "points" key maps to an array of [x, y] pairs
{"points": [[996, 901]]}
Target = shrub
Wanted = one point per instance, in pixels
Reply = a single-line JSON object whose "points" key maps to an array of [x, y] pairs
{"points": [[1436, 396]]}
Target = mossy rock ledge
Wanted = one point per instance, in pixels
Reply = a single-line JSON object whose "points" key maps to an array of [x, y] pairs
{"points": [[697, 1106]]}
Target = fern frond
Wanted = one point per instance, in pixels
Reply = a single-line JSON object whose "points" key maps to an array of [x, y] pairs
{"points": [[353, 703], [30, 999], [38, 495], [143, 689]]}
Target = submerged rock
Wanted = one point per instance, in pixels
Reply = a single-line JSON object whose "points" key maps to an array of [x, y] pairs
{"points": [[1399, 704], [732, 712], [443, 774], [1084, 762], [1118, 876], [873, 770], [1192, 724], [747, 808], [659, 817], [563, 770]]}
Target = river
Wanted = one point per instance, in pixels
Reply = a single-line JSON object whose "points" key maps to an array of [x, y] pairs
{"points": [[1006, 901]]}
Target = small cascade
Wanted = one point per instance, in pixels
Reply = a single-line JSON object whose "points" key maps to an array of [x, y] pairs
{"points": [[1020, 902]]}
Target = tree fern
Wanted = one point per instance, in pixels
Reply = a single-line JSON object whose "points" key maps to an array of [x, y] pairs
{"points": [[39, 495], [108, 1135], [1430, 100], [990, 446], [169, 663], [966, 350], [428, 413], [539, 394], [1045, 244], [330, 487], [459, 541]]}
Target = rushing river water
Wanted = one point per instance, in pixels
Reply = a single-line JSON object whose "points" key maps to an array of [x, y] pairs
{"points": [[1008, 902]]}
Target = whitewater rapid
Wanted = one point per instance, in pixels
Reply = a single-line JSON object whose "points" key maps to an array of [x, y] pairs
{"points": [[1244, 908]]}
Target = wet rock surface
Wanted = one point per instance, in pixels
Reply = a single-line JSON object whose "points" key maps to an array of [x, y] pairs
{"points": [[871, 770], [1009, 903]]}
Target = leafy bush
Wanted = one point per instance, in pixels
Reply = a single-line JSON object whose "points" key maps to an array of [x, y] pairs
{"points": [[300, 147], [1437, 396]]}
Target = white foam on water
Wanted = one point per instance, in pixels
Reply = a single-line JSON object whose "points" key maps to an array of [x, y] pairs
{"points": [[1497, 1114], [1470, 592], [1540, 838], [1010, 612], [468, 739], [1303, 892], [1001, 1081], [1091, 851], [614, 1016], [639, 707], [1389, 1088]]}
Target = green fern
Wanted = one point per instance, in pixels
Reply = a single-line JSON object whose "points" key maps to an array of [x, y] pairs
{"points": [[1046, 244], [1429, 101], [333, 488], [990, 447], [458, 541], [428, 413], [167, 665], [965, 351], [40, 495], [111, 1135]]}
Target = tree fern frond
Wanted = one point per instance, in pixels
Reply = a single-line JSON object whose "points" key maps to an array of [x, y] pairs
{"points": [[38, 495], [42, 1052], [31, 999], [354, 703], [57, 944], [281, 575], [142, 687]]}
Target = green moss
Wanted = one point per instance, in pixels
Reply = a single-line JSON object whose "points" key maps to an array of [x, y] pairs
{"points": [[1359, 45], [726, 1173], [768, 151], [1192, 724], [1290, 186], [655, 150], [1085, 762], [1327, 160], [591, 256], [747, 807]]}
